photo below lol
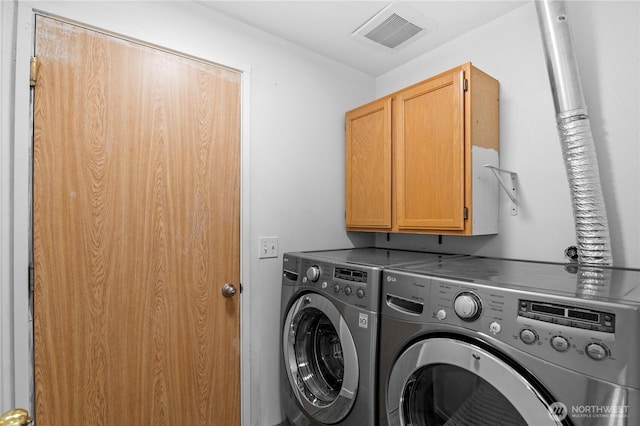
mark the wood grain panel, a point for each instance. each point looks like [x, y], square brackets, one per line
[368, 166]
[136, 228]
[483, 109]
[429, 152]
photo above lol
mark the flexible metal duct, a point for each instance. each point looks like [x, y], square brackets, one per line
[574, 128]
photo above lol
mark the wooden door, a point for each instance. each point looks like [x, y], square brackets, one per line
[429, 153]
[136, 228]
[368, 166]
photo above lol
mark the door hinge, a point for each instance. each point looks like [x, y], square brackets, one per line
[465, 213]
[31, 278]
[465, 85]
[33, 71]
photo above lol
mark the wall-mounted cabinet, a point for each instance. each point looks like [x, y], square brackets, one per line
[414, 158]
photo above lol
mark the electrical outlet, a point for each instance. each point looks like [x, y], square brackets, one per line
[268, 247]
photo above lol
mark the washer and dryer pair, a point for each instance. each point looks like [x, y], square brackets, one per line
[330, 308]
[501, 342]
[462, 340]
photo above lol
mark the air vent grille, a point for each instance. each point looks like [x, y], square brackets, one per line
[393, 31]
[395, 26]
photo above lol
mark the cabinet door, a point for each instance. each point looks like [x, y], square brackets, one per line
[368, 166]
[429, 152]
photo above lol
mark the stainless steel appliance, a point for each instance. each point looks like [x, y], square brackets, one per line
[509, 342]
[329, 320]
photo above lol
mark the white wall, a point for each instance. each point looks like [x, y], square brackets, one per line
[607, 41]
[292, 159]
[7, 43]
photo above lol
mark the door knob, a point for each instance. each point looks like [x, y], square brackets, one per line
[229, 290]
[17, 417]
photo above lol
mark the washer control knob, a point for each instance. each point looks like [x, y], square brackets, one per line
[559, 343]
[528, 336]
[313, 273]
[596, 351]
[336, 288]
[441, 314]
[348, 291]
[467, 306]
[360, 293]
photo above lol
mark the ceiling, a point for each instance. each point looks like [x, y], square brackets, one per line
[325, 27]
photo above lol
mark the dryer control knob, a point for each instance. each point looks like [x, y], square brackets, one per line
[467, 306]
[528, 336]
[559, 343]
[313, 273]
[596, 351]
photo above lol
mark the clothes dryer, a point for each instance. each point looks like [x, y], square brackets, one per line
[329, 321]
[503, 342]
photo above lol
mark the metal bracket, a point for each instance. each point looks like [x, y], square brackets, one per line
[510, 189]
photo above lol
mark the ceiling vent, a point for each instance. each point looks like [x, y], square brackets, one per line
[393, 26]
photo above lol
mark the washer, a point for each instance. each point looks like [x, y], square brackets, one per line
[329, 321]
[509, 342]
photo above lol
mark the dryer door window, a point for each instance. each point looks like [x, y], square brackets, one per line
[441, 394]
[321, 359]
[444, 381]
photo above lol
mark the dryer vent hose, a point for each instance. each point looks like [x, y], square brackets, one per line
[574, 129]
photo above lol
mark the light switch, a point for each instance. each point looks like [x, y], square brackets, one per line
[268, 247]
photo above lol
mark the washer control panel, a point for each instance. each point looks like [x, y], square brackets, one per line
[354, 284]
[577, 333]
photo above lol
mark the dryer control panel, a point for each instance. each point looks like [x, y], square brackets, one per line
[579, 334]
